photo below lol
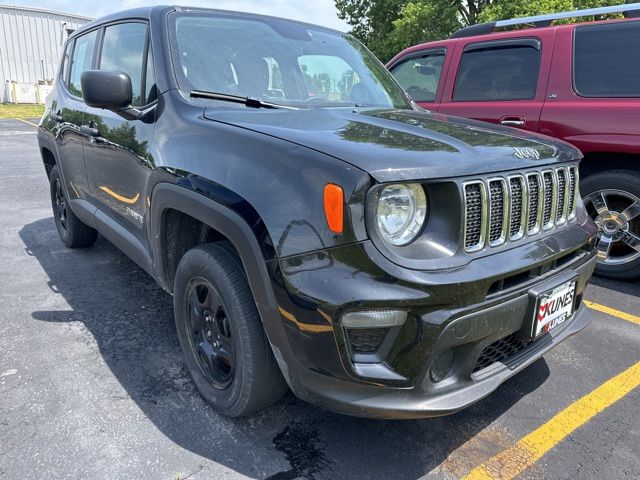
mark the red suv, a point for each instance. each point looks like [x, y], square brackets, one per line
[579, 83]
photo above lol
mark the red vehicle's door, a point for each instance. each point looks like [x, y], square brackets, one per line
[500, 81]
[593, 94]
[422, 72]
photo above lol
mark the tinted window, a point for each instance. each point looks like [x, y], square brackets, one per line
[498, 73]
[420, 76]
[607, 60]
[151, 92]
[123, 51]
[81, 60]
[66, 61]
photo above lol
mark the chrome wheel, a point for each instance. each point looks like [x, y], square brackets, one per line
[617, 215]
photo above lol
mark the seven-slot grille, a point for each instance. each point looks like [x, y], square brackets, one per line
[508, 208]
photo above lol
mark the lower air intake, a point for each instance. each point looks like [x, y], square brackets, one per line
[503, 348]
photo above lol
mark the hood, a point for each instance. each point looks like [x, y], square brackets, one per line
[394, 145]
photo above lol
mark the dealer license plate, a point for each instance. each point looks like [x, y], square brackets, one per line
[554, 307]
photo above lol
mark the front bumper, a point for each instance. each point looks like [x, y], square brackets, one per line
[446, 313]
[415, 402]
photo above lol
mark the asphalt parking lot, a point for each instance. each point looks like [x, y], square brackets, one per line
[92, 383]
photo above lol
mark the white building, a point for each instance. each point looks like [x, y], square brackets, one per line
[31, 41]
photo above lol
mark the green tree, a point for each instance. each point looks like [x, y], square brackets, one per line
[470, 10]
[371, 22]
[388, 26]
[523, 8]
[422, 21]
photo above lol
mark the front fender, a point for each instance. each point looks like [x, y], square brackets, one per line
[239, 233]
[282, 181]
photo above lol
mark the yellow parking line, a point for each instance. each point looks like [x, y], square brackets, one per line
[26, 121]
[613, 311]
[517, 458]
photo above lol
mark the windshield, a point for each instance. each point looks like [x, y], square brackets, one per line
[279, 61]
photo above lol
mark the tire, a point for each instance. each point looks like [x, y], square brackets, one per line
[618, 220]
[73, 233]
[223, 343]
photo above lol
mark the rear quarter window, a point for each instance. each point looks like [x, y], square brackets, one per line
[66, 62]
[497, 73]
[606, 60]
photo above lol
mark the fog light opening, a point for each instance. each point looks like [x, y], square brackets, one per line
[370, 334]
[366, 340]
[441, 365]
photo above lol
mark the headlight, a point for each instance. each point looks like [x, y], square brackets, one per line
[401, 211]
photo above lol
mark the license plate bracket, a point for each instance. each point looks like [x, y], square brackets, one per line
[550, 306]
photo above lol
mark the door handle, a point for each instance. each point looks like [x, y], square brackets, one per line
[89, 131]
[513, 122]
[56, 117]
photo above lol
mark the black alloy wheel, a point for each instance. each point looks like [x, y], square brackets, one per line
[72, 232]
[60, 204]
[210, 333]
[223, 342]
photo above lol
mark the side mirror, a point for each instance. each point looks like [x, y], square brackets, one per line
[109, 90]
[424, 70]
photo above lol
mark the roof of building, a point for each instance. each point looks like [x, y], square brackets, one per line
[44, 10]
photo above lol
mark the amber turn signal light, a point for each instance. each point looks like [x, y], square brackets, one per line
[333, 207]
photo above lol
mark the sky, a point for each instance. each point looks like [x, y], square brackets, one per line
[319, 12]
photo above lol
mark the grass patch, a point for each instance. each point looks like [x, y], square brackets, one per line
[21, 110]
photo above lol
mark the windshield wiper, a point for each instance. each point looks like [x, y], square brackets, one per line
[248, 101]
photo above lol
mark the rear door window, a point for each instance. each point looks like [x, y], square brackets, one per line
[419, 76]
[81, 60]
[606, 60]
[498, 71]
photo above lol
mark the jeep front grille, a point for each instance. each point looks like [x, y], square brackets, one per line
[475, 216]
[573, 191]
[550, 190]
[534, 182]
[499, 209]
[518, 207]
[562, 194]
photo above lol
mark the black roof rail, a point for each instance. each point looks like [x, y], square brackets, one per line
[630, 10]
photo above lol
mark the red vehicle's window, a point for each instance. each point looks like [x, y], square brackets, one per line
[496, 73]
[607, 60]
[420, 76]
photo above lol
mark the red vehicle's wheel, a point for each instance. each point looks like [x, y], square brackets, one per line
[613, 201]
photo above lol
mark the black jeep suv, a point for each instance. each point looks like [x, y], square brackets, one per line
[316, 228]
